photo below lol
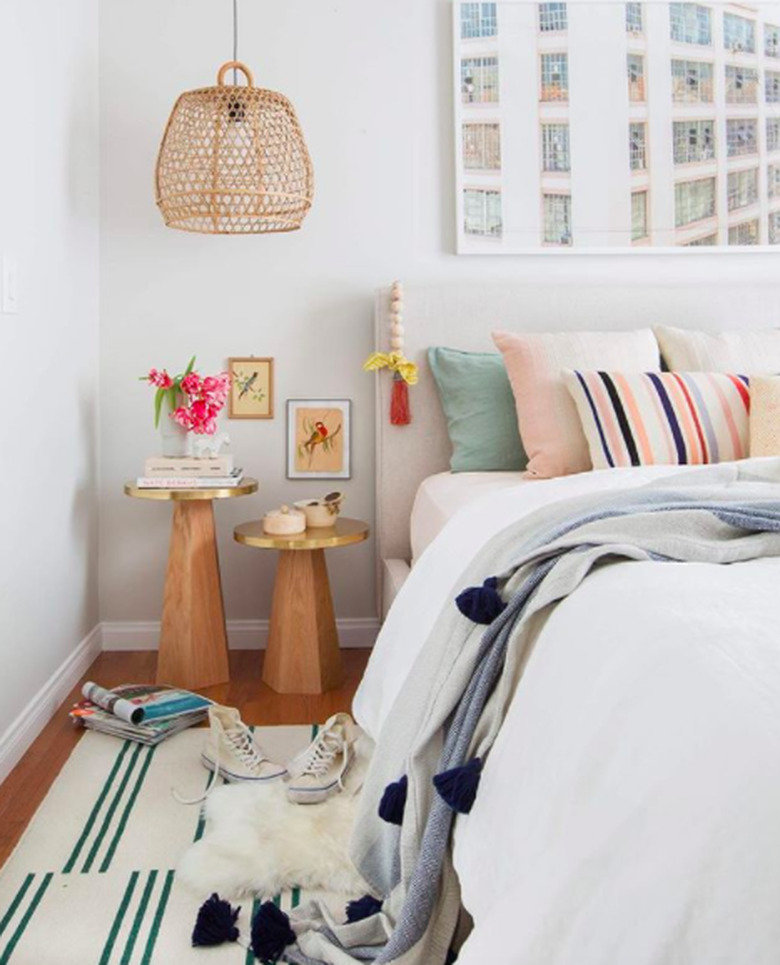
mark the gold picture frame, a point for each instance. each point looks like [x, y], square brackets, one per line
[251, 387]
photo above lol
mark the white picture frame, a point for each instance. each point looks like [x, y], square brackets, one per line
[319, 438]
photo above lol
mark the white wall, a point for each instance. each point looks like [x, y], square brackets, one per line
[49, 350]
[372, 85]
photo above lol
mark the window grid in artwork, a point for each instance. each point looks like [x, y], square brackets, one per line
[771, 40]
[773, 180]
[636, 77]
[478, 20]
[744, 234]
[773, 134]
[772, 86]
[739, 34]
[742, 137]
[742, 188]
[694, 141]
[479, 80]
[708, 241]
[557, 219]
[482, 212]
[634, 18]
[637, 146]
[638, 215]
[555, 147]
[481, 147]
[741, 85]
[774, 227]
[552, 17]
[694, 201]
[691, 82]
[555, 77]
[690, 23]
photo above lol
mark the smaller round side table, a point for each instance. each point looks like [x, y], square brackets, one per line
[193, 639]
[303, 655]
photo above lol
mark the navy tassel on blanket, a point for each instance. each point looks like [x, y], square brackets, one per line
[271, 933]
[362, 908]
[458, 787]
[391, 807]
[481, 604]
[215, 924]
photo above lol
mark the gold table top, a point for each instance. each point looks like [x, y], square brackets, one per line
[245, 488]
[345, 531]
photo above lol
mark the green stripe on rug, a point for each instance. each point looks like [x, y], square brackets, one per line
[96, 810]
[128, 809]
[87, 866]
[132, 938]
[158, 917]
[16, 902]
[119, 918]
[20, 929]
[296, 897]
[250, 955]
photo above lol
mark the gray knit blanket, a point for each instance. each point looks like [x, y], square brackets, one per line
[455, 699]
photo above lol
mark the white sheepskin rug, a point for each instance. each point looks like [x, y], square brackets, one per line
[257, 842]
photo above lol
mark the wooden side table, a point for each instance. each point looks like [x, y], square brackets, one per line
[193, 638]
[303, 655]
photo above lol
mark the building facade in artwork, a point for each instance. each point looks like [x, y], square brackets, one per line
[613, 124]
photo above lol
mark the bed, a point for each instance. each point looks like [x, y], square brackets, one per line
[628, 811]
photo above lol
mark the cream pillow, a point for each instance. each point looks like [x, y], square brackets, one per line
[546, 414]
[765, 416]
[748, 353]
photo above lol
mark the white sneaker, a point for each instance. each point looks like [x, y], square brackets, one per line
[319, 771]
[231, 752]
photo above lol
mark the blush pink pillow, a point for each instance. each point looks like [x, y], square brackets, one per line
[546, 414]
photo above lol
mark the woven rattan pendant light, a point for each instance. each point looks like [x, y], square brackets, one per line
[233, 159]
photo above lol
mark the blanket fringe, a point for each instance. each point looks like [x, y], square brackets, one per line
[215, 924]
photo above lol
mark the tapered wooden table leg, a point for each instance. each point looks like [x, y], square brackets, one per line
[303, 655]
[193, 638]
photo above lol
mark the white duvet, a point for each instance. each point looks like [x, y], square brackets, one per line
[629, 811]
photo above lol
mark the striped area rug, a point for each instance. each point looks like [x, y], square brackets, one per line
[92, 881]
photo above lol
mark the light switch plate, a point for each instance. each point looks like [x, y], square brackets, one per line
[10, 299]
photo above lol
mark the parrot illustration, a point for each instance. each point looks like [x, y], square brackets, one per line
[318, 436]
[246, 384]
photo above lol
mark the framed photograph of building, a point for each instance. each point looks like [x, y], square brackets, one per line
[613, 126]
[318, 439]
[251, 388]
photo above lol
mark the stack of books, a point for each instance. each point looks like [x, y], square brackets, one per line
[145, 713]
[186, 472]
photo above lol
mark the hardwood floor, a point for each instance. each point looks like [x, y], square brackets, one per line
[26, 786]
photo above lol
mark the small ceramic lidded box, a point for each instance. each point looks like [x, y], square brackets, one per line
[321, 513]
[284, 522]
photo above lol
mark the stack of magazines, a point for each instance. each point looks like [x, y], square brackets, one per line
[146, 713]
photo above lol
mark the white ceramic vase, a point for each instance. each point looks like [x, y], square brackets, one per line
[175, 440]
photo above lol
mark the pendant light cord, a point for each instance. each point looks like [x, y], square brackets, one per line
[235, 40]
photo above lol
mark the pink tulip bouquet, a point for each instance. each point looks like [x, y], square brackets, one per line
[194, 401]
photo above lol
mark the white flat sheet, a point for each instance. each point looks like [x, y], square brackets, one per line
[442, 495]
[629, 811]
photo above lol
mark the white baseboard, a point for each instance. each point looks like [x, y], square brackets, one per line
[242, 634]
[40, 710]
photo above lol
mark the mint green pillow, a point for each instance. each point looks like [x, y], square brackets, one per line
[480, 410]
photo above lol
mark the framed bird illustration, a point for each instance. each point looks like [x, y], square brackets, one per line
[251, 388]
[318, 438]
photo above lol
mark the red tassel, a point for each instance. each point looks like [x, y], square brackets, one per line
[399, 403]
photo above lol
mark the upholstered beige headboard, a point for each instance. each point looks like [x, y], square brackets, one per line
[462, 316]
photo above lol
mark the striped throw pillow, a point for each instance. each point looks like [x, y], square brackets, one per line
[662, 418]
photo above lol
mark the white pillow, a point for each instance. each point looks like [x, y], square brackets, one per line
[746, 353]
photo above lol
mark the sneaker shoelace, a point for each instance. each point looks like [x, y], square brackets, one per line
[320, 756]
[240, 737]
